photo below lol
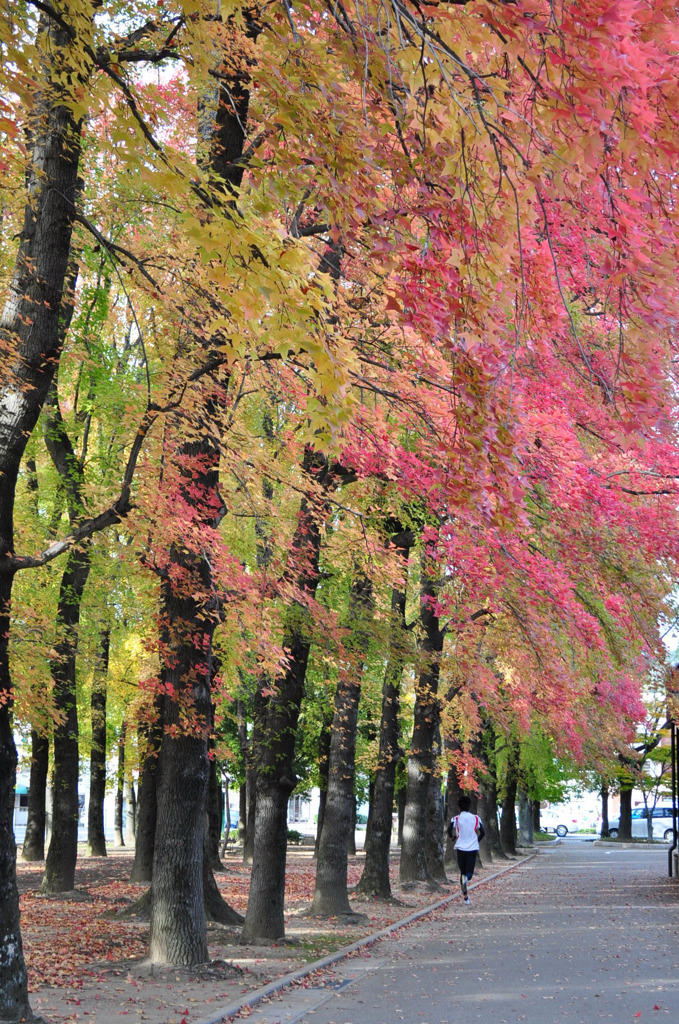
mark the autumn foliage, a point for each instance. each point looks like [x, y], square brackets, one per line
[331, 275]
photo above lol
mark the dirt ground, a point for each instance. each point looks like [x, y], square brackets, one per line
[85, 964]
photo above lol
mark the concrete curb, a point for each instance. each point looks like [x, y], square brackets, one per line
[327, 961]
[540, 843]
[641, 844]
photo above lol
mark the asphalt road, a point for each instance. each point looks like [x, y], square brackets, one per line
[578, 934]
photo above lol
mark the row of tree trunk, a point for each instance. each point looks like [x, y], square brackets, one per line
[424, 815]
[173, 846]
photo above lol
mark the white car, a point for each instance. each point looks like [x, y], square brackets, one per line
[662, 824]
[554, 820]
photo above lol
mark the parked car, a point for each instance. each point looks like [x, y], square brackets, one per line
[560, 829]
[662, 823]
[552, 820]
[565, 819]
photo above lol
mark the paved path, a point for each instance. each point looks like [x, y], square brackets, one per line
[580, 933]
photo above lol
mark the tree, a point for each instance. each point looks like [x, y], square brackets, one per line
[500, 206]
[34, 839]
[119, 839]
[644, 764]
[189, 615]
[147, 806]
[277, 705]
[421, 769]
[435, 825]
[62, 853]
[375, 879]
[508, 831]
[330, 893]
[31, 335]
[96, 841]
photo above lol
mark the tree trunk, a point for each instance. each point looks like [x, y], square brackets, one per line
[181, 874]
[246, 824]
[508, 822]
[118, 839]
[375, 879]
[275, 749]
[242, 810]
[625, 824]
[371, 798]
[322, 797]
[488, 798]
[330, 893]
[130, 810]
[435, 836]
[228, 823]
[264, 914]
[323, 771]
[401, 813]
[275, 721]
[216, 907]
[215, 816]
[63, 848]
[525, 819]
[535, 812]
[420, 766]
[178, 928]
[249, 838]
[96, 840]
[147, 802]
[604, 809]
[14, 1005]
[508, 816]
[485, 812]
[189, 606]
[491, 824]
[351, 845]
[31, 338]
[34, 841]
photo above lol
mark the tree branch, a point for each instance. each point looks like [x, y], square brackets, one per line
[55, 16]
[313, 229]
[132, 104]
[102, 62]
[123, 504]
[113, 247]
[133, 54]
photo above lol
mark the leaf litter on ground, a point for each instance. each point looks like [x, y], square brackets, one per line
[75, 938]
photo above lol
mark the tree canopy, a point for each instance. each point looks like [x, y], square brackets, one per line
[283, 283]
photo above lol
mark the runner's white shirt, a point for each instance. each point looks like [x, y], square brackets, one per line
[465, 825]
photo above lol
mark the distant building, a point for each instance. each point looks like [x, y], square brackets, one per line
[302, 810]
[21, 810]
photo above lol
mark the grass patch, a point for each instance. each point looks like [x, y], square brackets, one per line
[323, 945]
[635, 839]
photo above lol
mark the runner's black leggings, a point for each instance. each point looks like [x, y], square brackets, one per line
[466, 861]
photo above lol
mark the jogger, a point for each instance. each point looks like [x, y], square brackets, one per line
[465, 829]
